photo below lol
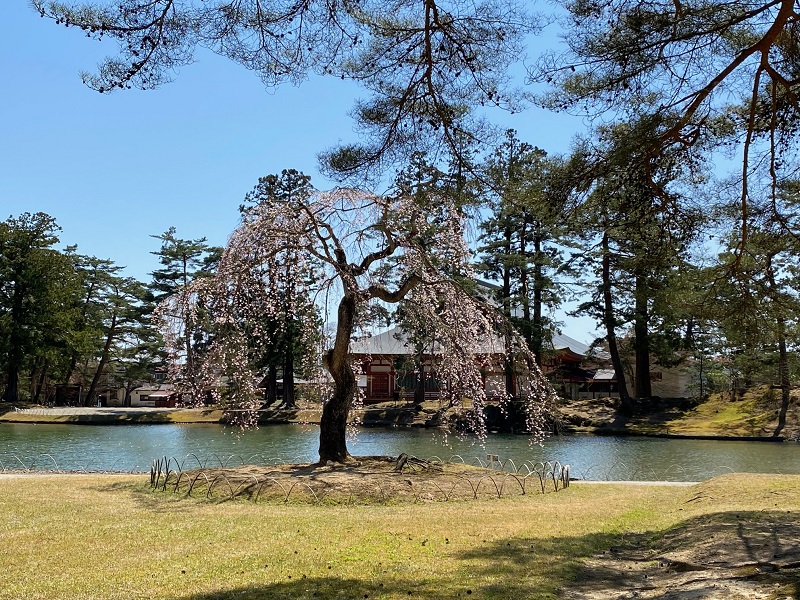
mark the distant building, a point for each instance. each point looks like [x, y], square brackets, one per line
[388, 366]
[155, 395]
[665, 382]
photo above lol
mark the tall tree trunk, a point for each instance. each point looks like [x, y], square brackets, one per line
[42, 379]
[610, 323]
[641, 339]
[289, 400]
[509, 367]
[333, 424]
[73, 361]
[525, 292]
[537, 330]
[272, 385]
[15, 352]
[783, 372]
[783, 357]
[508, 363]
[101, 365]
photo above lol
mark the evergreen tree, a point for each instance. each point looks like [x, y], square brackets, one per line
[38, 289]
[637, 236]
[183, 261]
[523, 238]
[755, 287]
[712, 75]
[290, 337]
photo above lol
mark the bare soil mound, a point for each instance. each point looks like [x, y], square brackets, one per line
[365, 479]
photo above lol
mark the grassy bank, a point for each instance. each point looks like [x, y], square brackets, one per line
[110, 537]
[754, 413]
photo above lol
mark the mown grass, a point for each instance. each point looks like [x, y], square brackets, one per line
[110, 537]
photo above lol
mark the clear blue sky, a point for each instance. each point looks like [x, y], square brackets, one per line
[114, 169]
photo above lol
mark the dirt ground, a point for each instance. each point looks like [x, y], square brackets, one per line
[725, 556]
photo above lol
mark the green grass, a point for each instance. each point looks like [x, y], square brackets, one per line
[109, 537]
[754, 414]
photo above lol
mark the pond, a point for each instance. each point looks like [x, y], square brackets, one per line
[134, 447]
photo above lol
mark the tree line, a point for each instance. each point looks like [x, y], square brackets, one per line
[74, 326]
[672, 258]
[664, 280]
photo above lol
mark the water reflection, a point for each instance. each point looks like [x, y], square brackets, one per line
[134, 447]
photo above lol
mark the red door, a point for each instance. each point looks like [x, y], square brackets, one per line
[380, 385]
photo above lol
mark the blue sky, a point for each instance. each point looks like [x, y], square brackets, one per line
[114, 169]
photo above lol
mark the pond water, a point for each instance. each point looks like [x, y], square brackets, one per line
[134, 447]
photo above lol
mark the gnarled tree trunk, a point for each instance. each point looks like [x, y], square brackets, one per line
[333, 424]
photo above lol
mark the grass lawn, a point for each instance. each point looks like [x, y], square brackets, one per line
[104, 537]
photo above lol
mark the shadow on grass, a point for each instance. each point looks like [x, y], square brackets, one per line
[747, 551]
[535, 568]
[329, 587]
[145, 497]
[702, 555]
[501, 569]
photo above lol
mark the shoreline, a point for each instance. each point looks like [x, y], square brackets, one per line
[394, 417]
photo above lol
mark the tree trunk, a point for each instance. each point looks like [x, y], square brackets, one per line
[333, 424]
[112, 330]
[611, 334]
[508, 364]
[11, 393]
[783, 372]
[15, 342]
[536, 340]
[42, 379]
[289, 400]
[783, 357]
[73, 361]
[641, 340]
[272, 385]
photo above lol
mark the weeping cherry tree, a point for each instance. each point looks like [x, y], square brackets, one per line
[349, 240]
